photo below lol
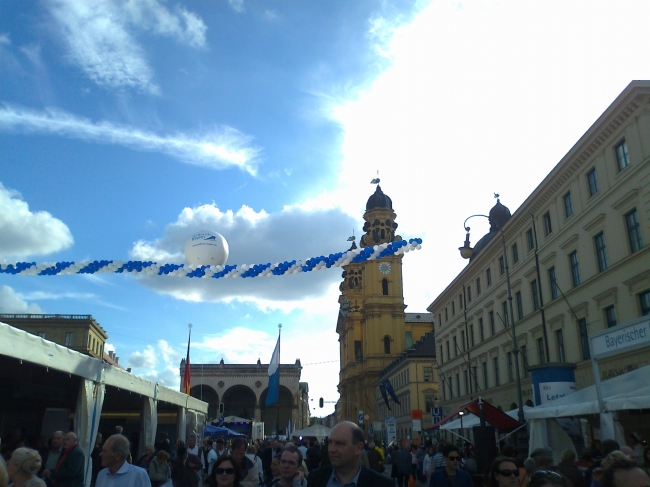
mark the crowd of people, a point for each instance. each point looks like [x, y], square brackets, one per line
[344, 459]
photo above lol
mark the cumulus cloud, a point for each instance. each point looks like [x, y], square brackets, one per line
[220, 148]
[254, 237]
[11, 302]
[101, 41]
[159, 364]
[23, 232]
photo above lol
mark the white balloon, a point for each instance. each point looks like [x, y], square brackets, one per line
[206, 248]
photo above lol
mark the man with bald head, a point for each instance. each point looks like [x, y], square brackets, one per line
[69, 469]
[345, 446]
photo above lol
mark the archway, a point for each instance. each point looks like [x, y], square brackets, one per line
[209, 395]
[270, 414]
[513, 406]
[529, 403]
[239, 401]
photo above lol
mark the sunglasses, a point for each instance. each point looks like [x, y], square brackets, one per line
[509, 473]
[454, 458]
[227, 471]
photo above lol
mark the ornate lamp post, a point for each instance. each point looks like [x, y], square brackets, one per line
[467, 252]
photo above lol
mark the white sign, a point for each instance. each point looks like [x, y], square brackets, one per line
[417, 425]
[551, 391]
[619, 339]
[391, 429]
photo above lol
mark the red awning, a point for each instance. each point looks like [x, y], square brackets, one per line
[493, 416]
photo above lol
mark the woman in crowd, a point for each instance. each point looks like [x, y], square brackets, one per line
[159, 469]
[225, 472]
[145, 460]
[23, 467]
[503, 473]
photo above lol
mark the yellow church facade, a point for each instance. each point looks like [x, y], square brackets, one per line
[372, 323]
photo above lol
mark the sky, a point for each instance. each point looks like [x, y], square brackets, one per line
[128, 125]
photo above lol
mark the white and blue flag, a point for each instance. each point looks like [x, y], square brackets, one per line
[274, 376]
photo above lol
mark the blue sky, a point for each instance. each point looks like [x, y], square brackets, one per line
[126, 126]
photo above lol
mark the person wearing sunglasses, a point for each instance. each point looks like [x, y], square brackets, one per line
[451, 474]
[503, 473]
[225, 473]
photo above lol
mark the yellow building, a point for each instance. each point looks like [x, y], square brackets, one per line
[372, 325]
[591, 218]
[414, 379]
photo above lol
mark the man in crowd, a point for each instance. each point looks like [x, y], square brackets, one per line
[313, 456]
[622, 471]
[291, 475]
[185, 469]
[375, 461]
[345, 446]
[117, 471]
[69, 470]
[250, 473]
[53, 454]
[451, 474]
[192, 447]
[267, 458]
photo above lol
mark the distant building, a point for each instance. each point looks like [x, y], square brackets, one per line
[78, 332]
[591, 216]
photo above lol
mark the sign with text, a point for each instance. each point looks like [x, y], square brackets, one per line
[620, 339]
[391, 429]
[417, 425]
[551, 391]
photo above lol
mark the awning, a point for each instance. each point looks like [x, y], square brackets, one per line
[493, 416]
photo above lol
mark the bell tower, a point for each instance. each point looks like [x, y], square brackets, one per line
[371, 321]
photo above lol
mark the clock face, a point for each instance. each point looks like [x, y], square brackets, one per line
[384, 268]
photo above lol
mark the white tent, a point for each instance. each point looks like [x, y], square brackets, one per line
[471, 420]
[317, 430]
[626, 391]
[236, 419]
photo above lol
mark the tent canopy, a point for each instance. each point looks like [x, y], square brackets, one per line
[219, 431]
[470, 420]
[493, 416]
[626, 391]
[318, 430]
[236, 419]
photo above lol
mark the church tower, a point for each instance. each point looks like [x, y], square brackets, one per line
[371, 322]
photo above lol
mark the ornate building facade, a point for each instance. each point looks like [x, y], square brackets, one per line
[372, 324]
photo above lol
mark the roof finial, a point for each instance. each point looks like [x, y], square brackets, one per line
[496, 195]
[352, 238]
[375, 180]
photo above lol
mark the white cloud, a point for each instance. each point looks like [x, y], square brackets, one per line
[100, 37]
[11, 302]
[159, 364]
[23, 232]
[42, 295]
[254, 237]
[237, 5]
[145, 359]
[220, 148]
[5, 40]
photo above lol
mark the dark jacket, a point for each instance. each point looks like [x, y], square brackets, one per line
[374, 460]
[184, 476]
[573, 473]
[439, 478]
[70, 472]
[403, 462]
[367, 478]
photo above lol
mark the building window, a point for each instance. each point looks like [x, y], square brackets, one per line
[559, 338]
[575, 269]
[455, 347]
[462, 338]
[469, 294]
[584, 339]
[592, 182]
[644, 301]
[511, 374]
[444, 390]
[485, 376]
[633, 230]
[530, 241]
[495, 360]
[548, 229]
[429, 403]
[358, 352]
[488, 276]
[478, 286]
[458, 385]
[453, 308]
[409, 339]
[610, 316]
[481, 331]
[515, 254]
[524, 360]
[460, 301]
[428, 374]
[568, 205]
[534, 294]
[387, 345]
[601, 252]
[553, 282]
[504, 308]
[471, 335]
[502, 267]
[446, 315]
[384, 287]
[491, 316]
[520, 305]
[466, 373]
[69, 338]
[448, 354]
[621, 155]
[442, 357]
[475, 378]
[540, 351]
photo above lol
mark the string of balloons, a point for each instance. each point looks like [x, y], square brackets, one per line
[212, 271]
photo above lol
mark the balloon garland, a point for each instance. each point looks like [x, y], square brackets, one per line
[149, 268]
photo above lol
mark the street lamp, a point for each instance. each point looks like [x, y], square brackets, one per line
[467, 252]
[461, 414]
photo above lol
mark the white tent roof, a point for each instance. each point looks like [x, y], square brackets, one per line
[626, 391]
[21, 345]
[471, 420]
[236, 419]
[317, 430]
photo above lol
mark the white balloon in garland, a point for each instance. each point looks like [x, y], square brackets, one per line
[206, 248]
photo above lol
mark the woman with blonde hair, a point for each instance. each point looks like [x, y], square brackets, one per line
[22, 468]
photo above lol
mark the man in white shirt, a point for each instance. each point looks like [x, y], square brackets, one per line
[118, 472]
[192, 447]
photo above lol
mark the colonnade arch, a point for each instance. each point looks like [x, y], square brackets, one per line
[209, 395]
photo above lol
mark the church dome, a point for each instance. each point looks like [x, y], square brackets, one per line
[379, 200]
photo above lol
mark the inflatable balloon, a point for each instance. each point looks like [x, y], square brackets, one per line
[206, 248]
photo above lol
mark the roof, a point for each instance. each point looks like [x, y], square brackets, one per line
[424, 317]
[425, 347]
[379, 200]
[492, 415]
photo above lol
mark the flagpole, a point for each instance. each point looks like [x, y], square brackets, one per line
[277, 428]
